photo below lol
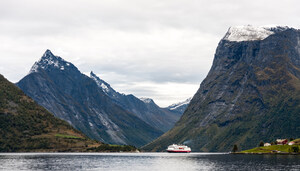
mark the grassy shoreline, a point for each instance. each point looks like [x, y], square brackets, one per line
[292, 149]
[274, 149]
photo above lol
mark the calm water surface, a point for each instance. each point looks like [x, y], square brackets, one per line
[146, 161]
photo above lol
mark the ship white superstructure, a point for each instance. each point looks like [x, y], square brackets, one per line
[174, 148]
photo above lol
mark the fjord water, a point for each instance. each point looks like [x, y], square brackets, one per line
[146, 161]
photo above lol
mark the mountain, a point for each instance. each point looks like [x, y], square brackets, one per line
[179, 107]
[144, 108]
[26, 126]
[251, 93]
[74, 97]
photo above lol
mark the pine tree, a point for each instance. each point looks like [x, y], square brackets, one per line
[235, 148]
[261, 144]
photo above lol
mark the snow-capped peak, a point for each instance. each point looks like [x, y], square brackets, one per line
[180, 104]
[49, 60]
[250, 33]
[146, 100]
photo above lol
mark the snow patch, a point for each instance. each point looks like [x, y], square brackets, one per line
[250, 33]
[104, 87]
[100, 83]
[146, 100]
[177, 105]
[34, 68]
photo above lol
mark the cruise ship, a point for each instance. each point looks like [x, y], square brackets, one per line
[174, 148]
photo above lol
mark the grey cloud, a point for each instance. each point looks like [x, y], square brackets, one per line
[132, 41]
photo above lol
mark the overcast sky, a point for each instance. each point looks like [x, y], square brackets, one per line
[161, 49]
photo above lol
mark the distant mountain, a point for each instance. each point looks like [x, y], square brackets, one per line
[26, 126]
[179, 107]
[251, 93]
[144, 108]
[74, 97]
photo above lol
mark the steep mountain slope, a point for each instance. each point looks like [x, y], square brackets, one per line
[251, 93]
[146, 110]
[70, 95]
[26, 126]
[179, 107]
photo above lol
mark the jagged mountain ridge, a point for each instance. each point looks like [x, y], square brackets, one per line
[251, 94]
[25, 126]
[145, 108]
[70, 95]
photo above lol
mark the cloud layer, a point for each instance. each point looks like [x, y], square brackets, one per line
[160, 49]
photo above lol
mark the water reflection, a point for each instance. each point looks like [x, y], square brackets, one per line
[146, 161]
[177, 162]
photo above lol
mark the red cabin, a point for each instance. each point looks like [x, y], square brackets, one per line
[281, 141]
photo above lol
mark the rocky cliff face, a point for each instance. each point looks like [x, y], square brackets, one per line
[74, 97]
[251, 93]
[145, 109]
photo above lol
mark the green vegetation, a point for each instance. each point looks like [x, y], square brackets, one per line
[67, 136]
[297, 141]
[294, 149]
[274, 149]
[114, 148]
[26, 126]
